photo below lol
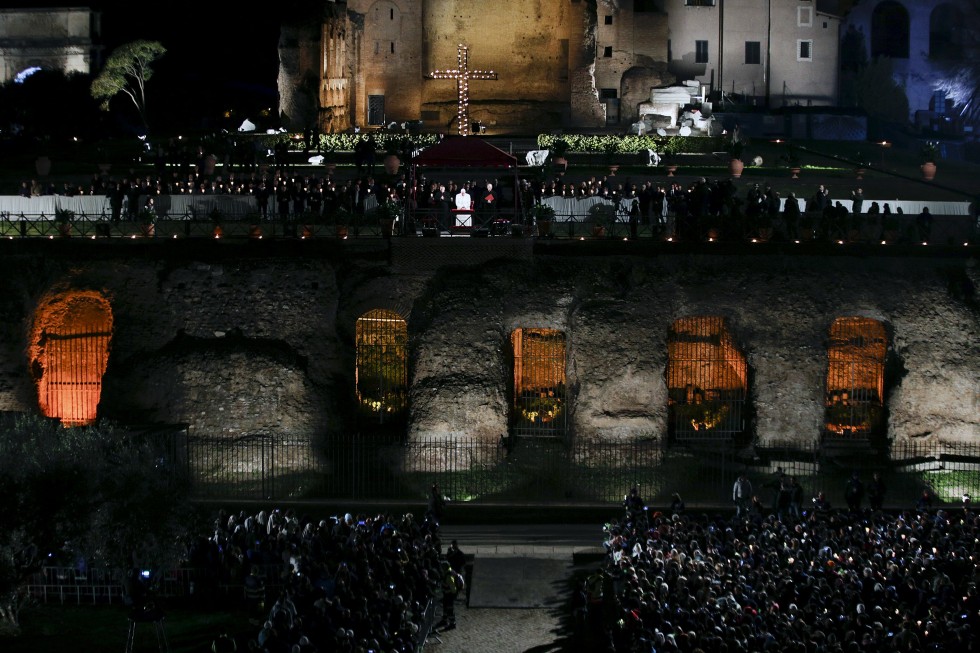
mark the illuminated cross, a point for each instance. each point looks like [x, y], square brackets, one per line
[462, 74]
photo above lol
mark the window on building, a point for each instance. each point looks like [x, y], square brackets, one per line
[890, 30]
[700, 52]
[804, 16]
[804, 50]
[392, 47]
[381, 374]
[700, 3]
[608, 20]
[71, 347]
[753, 52]
[855, 377]
[644, 6]
[376, 110]
[539, 383]
[608, 93]
[707, 380]
[607, 51]
[948, 32]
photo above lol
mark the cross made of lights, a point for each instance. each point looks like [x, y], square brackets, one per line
[462, 74]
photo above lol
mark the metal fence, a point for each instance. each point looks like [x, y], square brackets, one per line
[532, 470]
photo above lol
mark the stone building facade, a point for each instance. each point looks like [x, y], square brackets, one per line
[559, 63]
[65, 39]
[769, 53]
[925, 41]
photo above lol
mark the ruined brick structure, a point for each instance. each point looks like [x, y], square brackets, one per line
[236, 341]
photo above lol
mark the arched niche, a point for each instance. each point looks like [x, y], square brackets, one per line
[855, 387]
[707, 380]
[540, 408]
[69, 352]
[947, 32]
[890, 31]
[381, 374]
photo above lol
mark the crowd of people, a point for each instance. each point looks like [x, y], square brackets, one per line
[824, 581]
[703, 208]
[345, 583]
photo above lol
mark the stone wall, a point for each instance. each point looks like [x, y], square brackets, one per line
[235, 344]
[65, 39]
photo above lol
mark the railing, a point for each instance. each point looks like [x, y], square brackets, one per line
[234, 227]
[529, 470]
[104, 585]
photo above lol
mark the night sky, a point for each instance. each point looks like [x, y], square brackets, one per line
[220, 54]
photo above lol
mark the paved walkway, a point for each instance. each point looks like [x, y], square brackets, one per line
[518, 590]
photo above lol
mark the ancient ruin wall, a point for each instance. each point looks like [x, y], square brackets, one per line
[242, 346]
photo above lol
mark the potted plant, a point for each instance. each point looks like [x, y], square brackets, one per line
[216, 219]
[735, 149]
[341, 218]
[610, 148]
[543, 216]
[387, 213]
[862, 165]
[147, 219]
[559, 148]
[792, 161]
[601, 216]
[929, 154]
[63, 219]
[670, 149]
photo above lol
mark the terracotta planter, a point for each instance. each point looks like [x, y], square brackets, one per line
[308, 231]
[341, 231]
[860, 172]
[598, 231]
[735, 168]
[255, 231]
[795, 172]
[613, 170]
[64, 229]
[148, 230]
[560, 162]
[218, 232]
[671, 169]
[928, 170]
[544, 228]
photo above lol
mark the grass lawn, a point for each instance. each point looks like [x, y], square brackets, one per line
[93, 629]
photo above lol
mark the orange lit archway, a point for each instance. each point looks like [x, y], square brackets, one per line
[381, 375]
[707, 380]
[69, 352]
[855, 376]
[539, 382]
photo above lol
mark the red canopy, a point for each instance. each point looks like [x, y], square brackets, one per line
[465, 152]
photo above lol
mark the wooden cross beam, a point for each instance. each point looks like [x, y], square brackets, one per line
[462, 74]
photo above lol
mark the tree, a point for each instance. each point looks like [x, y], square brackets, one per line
[127, 70]
[88, 493]
[960, 80]
[875, 90]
